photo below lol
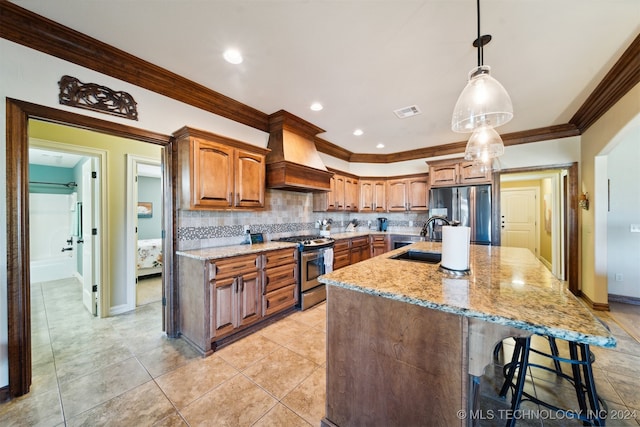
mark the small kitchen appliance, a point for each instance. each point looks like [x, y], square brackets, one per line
[382, 224]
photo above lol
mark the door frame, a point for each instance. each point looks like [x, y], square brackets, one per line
[571, 218]
[104, 292]
[18, 114]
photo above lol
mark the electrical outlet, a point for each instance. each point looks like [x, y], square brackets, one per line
[410, 223]
[619, 277]
[247, 228]
[635, 228]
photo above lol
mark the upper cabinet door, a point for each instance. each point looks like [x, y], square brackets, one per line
[366, 196]
[418, 194]
[444, 175]
[250, 176]
[472, 173]
[397, 195]
[379, 196]
[213, 169]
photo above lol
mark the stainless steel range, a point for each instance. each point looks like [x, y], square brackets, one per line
[316, 258]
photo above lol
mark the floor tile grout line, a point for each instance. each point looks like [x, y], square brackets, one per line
[53, 357]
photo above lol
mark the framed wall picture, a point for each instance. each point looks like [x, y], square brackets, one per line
[145, 209]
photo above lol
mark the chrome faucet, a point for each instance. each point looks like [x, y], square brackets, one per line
[425, 228]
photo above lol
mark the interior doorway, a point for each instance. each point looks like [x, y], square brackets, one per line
[144, 229]
[535, 212]
[19, 118]
[72, 215]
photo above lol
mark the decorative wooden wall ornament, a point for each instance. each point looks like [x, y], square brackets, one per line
[92, 96]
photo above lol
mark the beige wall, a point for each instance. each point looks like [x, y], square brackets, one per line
[593, 243]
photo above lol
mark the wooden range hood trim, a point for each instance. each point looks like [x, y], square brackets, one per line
[290, 176]
[29, 29]
[293, 163]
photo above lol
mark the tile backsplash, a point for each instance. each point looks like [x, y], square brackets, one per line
[286, 213]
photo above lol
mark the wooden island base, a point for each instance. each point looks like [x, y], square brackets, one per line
[393, 363]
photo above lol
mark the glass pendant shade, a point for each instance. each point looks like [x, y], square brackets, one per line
[483, 102]
[484, 144]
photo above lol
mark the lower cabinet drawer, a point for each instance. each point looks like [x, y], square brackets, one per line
[341, 259]
[278, 277]
[235, 266]
[279, 300]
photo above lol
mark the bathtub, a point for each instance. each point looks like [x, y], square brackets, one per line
[60, 267]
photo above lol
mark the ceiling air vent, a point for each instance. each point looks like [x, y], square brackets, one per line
[409, 111]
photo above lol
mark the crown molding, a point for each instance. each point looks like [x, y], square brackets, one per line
[514, 138]
[623, 76]
[37, 32]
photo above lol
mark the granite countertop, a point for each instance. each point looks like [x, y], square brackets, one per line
[208, 254]
[507, 286]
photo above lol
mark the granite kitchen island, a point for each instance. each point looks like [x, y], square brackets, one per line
[405, 340]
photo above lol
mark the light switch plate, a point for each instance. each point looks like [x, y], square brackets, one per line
[635, 228]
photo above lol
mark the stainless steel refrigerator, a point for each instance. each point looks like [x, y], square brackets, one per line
[471, 206]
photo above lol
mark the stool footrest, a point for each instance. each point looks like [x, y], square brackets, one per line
[592, 409]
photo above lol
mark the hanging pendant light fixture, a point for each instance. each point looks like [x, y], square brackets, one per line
[483, 105]
[483, 145]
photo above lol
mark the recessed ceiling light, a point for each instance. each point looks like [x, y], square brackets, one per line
[233, 56]
[358, 132]
[316, 106]
[381, 145]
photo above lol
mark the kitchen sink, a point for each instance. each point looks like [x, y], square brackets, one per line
[419, 256]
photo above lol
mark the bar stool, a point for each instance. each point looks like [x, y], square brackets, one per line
[593, 410]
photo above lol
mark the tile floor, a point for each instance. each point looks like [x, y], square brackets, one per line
[122, 371]
[148, 290]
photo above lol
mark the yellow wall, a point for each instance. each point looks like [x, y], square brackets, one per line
[593, 141]
[116, 175]
[545, 236]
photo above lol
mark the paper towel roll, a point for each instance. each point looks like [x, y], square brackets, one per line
[455, 247]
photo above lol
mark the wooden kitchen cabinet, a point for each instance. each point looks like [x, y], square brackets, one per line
[380, 243]
[236, 293]
[220, 299]
[217, 298]
[216, 172]
[475, 173]
[280, 280]
[341, 253]
[350, 194]
[459, 173]
[342, 195]
[445, 175]
[360, 249]
[408, 194]
[373, 195]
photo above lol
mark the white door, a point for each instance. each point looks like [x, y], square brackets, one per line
[518, 219]
[90, 237]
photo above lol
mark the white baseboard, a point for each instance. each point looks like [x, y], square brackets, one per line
[119, 309]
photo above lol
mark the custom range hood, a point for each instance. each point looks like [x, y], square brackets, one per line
[293, 162]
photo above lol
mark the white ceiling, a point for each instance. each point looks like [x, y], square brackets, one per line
[39, 156]
[364, 59]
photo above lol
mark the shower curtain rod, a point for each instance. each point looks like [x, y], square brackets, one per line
[68, 184]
